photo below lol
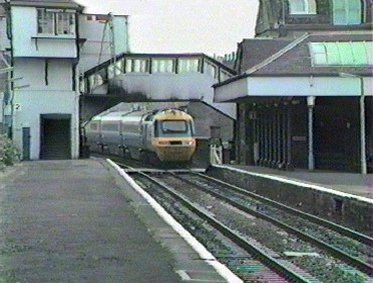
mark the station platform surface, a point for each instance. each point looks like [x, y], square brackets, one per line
[355, 184]
[73, 221]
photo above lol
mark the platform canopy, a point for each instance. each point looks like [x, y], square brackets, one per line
[314, 64]
[340, 85]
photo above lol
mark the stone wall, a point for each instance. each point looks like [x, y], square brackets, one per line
[349, 212]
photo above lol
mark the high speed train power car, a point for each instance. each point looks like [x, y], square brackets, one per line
[165, 134]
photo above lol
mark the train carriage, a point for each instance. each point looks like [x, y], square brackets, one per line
[164, 134]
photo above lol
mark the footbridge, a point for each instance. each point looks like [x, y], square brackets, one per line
[131, 77]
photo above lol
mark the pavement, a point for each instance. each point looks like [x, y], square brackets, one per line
[356, 184]
[72, 221]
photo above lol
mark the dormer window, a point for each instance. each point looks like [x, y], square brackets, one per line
[347, 12]
[302, 7]
[55, 22]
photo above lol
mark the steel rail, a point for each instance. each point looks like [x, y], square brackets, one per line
[239, 240]
[338, 228]
[356, 262]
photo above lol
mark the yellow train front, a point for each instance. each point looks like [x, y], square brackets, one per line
[173, 139]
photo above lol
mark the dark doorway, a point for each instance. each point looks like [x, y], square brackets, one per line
[55, 141]
[337, 134]
[26, 143]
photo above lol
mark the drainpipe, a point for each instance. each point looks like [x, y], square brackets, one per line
[311, 158]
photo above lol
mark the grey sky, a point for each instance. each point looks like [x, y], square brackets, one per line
[209, 26]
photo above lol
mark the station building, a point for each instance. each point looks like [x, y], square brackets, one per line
[45, 45]
[304, 89]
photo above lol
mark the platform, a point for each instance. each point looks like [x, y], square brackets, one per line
[78, 221]
[338, 197]
[349, 183]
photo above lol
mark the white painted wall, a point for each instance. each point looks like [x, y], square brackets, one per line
[55, 98]
[170, 86]
[304, 86]
[231, 91]
[294, 86]
[45, 103]
[32, 72]
[93, 32]
[24, 27]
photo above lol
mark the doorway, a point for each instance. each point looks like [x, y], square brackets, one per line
[26, 143]
[55, 140]
[337, 134]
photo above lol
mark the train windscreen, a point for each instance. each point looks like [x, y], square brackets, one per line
[173, 128]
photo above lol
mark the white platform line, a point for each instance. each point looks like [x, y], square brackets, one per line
[298, 183]
[193, 242]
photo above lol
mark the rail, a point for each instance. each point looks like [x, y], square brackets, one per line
[338, 228]
[266, 259]
[361, 265]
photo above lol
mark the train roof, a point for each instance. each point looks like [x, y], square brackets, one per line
[168, 113]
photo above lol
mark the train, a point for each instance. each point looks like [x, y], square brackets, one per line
[163, 135]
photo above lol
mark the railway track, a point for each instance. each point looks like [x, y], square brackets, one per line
[190, 190]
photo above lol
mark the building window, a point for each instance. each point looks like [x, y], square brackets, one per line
[358, 53]
[188, 65]
[211, 69]
[95, 80]
[347, 12]
[115, 69]
[224, 76]
[110, 127]
[137, 65]
[56, 22]
[162, 66]
[302, 7]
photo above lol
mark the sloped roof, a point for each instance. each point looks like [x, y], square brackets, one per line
[297, 59]
[255, 51]
[47, 3]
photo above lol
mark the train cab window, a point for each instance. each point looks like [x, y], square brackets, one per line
[173, 128]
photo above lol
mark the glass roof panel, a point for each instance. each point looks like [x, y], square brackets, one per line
[358, 53]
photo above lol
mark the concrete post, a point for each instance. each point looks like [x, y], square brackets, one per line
[311, 159]
[362, 129]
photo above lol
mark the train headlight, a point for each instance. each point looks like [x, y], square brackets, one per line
[191, 142]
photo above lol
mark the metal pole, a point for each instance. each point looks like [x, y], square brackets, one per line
[261, 139]
[288, 136]
[279, 139]
[311, 160]
[284, 141]
[265, 137]
[362, 129]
